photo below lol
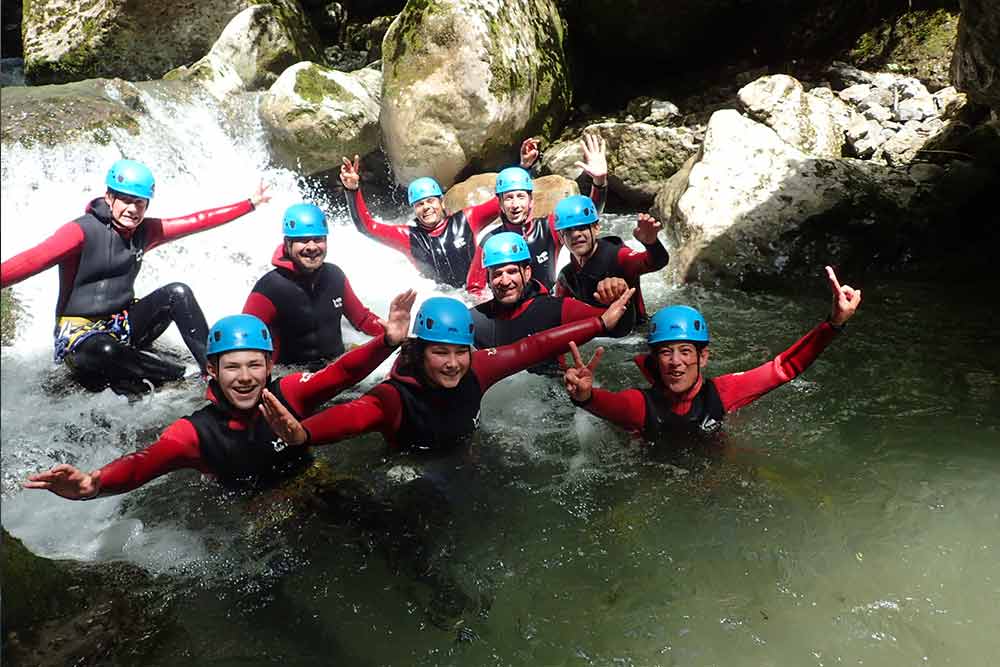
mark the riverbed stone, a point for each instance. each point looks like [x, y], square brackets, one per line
[315, 115]
[466, 81]
[808, 122]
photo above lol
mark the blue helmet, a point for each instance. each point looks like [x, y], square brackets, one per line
[131, 178]
[422, 188]
[239, 332]
[678, 323]
[513, 178]
[444, 320]
[575, 211]
[304, 220]
[505, 248]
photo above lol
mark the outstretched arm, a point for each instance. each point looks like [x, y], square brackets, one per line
[358, 315]
[396, 237]
[65, 243]
[163, 230]
[336, 423]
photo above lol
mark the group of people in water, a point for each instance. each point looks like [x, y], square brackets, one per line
[256, 428]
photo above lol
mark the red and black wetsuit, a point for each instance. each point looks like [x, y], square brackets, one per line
[303, 310]
[239, 446]
[543, 244]
[442, 254]
[613, 259]
[537, 310]
[415, 417]
[655, 414]
[98, 264]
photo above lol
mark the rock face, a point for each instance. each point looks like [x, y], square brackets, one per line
[465, 81]
[640, 157]
[917, 44]
[67, 41]
[479, 188]
[751, 206]
[254, 48]
[975, 67]
[316, 115]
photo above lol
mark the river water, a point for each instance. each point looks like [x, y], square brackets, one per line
[850, 517]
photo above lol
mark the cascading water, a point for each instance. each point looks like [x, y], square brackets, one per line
[852, 519]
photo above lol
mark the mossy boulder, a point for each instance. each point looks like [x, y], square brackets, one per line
[316, 115]
[135, 40]
[975, 67]
[465, 81]
[55, 114]
[253, 49]
[481, 187]
[10, 311]
[917, 44]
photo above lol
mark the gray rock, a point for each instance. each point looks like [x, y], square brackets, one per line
[975, 65]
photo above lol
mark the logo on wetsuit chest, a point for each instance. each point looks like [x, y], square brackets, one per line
[544, 257]
[338, 302]
[459, 242]
[278, 444]
[138, 255]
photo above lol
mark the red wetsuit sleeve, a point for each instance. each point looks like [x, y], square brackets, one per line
[634, 263]
[494, 364]
[482, 215]
[66, 242]
[260, 306]
[307, 391]
[177, 448]
[396, 237]
[360, 317]
[362, 415]
[160, 231]
[556, 239]
[573, 310]
[625, 408]
[739, 389]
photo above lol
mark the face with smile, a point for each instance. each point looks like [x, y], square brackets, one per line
[507, 282]
[516, 206]
[429, 211]
[445, 364]
[581, 240]
[127, 212]
[307, 254]
[242, 376]
[680, 365]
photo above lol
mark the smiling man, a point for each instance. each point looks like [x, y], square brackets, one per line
[303, 299]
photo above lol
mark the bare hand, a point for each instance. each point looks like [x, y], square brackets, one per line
[846, 299]
[615, 311]
[529, 152]
[579, 378]
[282, 422]
[350, 173]
[66, 481]
[646, 229]
[397, 325]
[595, 158]
[610, 289]
[260, 195]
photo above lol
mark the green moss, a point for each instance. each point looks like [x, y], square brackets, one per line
[312, 86]
[920, 43]
[10, 312]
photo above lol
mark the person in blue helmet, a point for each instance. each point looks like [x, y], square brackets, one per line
[430, 403]
[521, 306]
[303, 299]
[439, 244]
[599, 268]
[515, 191]
[229, 438]
[101, 330]
[680, 399]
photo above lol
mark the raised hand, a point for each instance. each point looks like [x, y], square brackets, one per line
[615, 311]
[350, 173]
[610, 289]
[529, 152]
[846, 299]
[579, 378]
[260, 195]
[66, 481]
[282, 422]
[595, 158]
[397, 324]
[646, 229]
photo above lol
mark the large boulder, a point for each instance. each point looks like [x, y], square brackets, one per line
[751, 207]
[481, 187]
[466, 80]
[975, 67]
[254, 48]
[316, 115]
[641, 157]
[70, 40]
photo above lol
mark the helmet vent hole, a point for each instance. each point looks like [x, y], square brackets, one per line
[430, 323]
